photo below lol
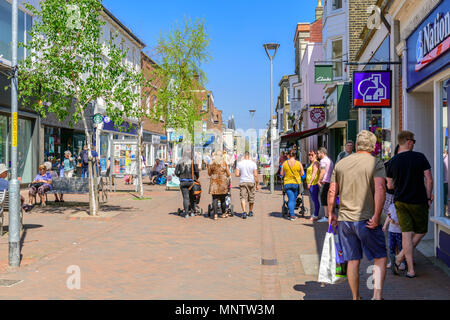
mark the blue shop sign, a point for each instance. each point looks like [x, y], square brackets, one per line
[429, 46]
[125, 128]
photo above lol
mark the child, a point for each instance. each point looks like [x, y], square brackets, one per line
[395, 236]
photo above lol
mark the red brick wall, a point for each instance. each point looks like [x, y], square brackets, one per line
[316, 31]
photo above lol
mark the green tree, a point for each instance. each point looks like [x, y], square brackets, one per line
[68, 68]
[181, 53]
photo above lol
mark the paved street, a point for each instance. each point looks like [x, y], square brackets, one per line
[148, 252]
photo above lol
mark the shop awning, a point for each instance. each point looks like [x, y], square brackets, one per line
[303, 134]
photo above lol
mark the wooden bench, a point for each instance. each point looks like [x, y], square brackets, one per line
[4, 206]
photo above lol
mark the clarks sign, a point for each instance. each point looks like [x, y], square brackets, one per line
[433, 40]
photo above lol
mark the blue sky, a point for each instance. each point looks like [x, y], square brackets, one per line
[239, 71]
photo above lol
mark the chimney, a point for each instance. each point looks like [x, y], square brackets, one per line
[319, 10]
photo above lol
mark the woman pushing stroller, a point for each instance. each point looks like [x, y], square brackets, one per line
[187, 171]
[292, 171]
[220, 183]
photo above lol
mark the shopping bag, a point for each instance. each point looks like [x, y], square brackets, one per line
[330, 271]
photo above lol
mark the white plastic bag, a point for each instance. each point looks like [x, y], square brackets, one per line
[328, 265]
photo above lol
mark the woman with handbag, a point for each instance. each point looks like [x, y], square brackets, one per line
[40, 185]
[188, 173]
[292, 171]
[219, 183]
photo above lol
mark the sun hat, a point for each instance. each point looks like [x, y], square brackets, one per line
[3, 168]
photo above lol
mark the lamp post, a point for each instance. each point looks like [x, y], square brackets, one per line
[271, 47]
[252, 117]
[14, 185]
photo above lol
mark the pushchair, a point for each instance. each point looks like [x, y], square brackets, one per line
[229, 207]
[197, 210]
[300, 204]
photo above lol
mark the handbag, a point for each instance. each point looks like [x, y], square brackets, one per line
[37, 185]
[333, 268]
[196, 185]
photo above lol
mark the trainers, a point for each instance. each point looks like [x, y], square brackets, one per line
[250, 214]
[244, 216]
[402, 266]
[293, 218]
[388, 265]
[192, 214]
[323, 219]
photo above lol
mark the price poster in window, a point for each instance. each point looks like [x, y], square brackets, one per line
[125, 157]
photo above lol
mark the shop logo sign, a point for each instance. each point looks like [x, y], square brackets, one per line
[372, 89]
[433, 40]
[317, 115]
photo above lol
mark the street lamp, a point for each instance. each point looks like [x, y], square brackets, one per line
[14, 185]
[271, 51]
[252, 116]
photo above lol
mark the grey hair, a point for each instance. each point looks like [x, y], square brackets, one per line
[366, 141]
[323, 150]
[68, 153]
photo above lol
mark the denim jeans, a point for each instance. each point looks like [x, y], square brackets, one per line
[314, 192]
[84, 172]
[292, 191]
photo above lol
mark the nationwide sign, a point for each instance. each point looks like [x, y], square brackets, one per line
[372, 89]
[323, 73]
[433, 40]
[427, 47]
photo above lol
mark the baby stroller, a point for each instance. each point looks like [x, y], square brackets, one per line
[197, 196]
[229, 206]
[299, 205]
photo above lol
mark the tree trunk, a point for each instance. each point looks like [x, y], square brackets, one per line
[93, 195]
[139, 166]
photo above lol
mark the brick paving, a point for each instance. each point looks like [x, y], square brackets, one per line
[146, 251]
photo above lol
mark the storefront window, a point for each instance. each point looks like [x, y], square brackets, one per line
[445, 89]
[24, 147]
[52, 143]
[378, 121]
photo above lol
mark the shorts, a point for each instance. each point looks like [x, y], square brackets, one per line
[248, 191]
[355, 238]
[412, 217]
[324, 194]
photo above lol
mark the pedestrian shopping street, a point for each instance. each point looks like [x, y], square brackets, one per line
[141, 249]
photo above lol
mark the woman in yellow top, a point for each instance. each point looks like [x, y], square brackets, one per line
[292, 171]
[312, 179]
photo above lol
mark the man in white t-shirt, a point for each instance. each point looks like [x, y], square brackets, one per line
[247, 171]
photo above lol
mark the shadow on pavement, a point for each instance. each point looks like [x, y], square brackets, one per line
[314, 291]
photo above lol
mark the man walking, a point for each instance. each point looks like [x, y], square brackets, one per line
[360, 210]
[248, 173]
[348, 151]
[412, 197]
[326, 169]
[84, 158]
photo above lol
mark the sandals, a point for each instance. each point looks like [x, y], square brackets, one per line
[410, 276]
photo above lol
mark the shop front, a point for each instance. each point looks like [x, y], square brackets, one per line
[27, 138]
[340, 127]
[427, 71]
[155, 147]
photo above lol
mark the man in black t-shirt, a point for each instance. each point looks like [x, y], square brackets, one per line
[406, 174]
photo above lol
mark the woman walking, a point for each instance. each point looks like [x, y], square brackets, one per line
[68, 164]
[292, 171]
[219, 183]
[312, 179]
[187, 171]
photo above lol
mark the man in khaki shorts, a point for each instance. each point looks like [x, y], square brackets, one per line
[247, 171]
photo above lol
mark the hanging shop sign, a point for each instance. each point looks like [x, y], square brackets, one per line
[98, 118]
[323, 73]
[317, 114]
[428, 46]
[372, 89]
